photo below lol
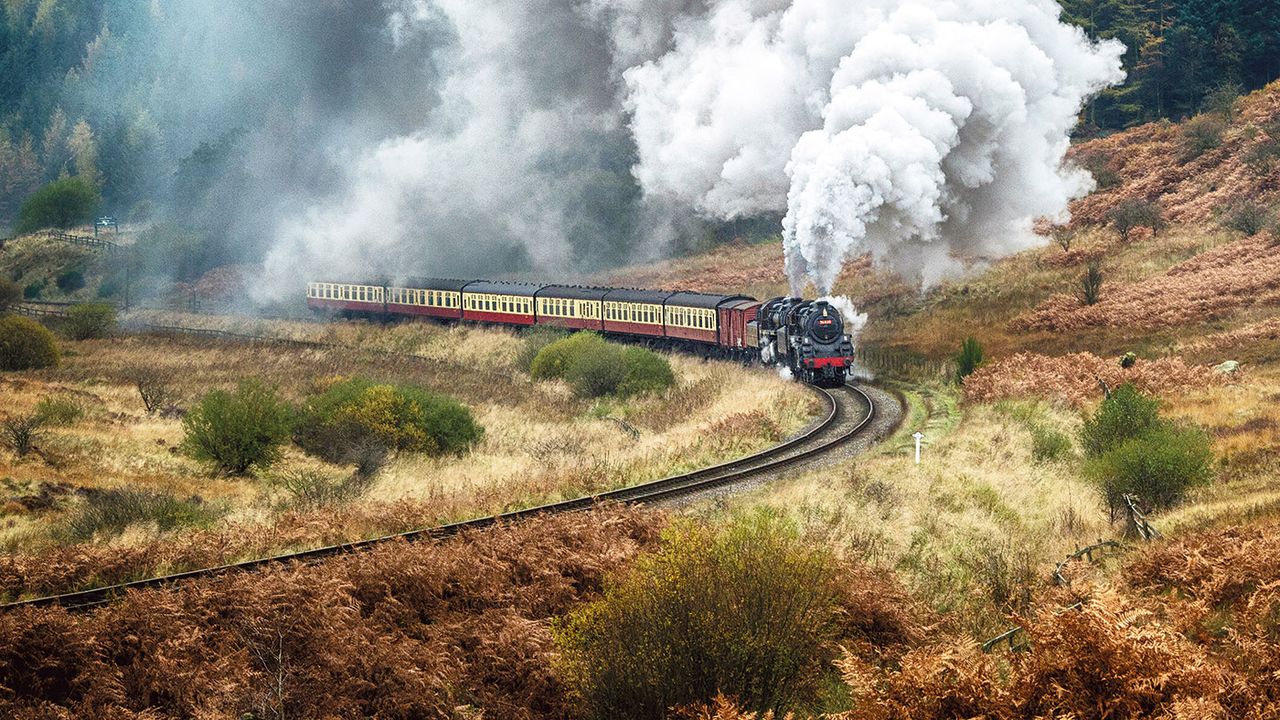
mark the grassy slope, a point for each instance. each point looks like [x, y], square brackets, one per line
[541, 442]
[982, 519]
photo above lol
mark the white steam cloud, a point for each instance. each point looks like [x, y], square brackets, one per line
[928, 134]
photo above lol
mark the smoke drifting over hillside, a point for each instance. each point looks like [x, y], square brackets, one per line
[454, 137]
[927, 134]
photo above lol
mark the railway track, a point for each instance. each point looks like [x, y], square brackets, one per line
[848, 411]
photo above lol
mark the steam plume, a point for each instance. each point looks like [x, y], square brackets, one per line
[928, 134]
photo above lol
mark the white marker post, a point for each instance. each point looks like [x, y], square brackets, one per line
[918, 436]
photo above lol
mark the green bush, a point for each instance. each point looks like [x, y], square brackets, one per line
[107, 513]
[349, 418]
[1124, 415]
[555, 358]
[647, 372]
[10, 294]
[70, 281]
[1248, 217]
[26, 344]
[1132, 214]
[596, 368]
[33, 291]
[536, 338]
[1202, 134]
[968, 359]
[748, 610]
[1049, 444]
[599, 371]
[61, 204]
[1158, 466]
[238, 430]
[59, 410]
[87, 321]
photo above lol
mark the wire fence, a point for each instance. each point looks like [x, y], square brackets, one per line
[1015, 637]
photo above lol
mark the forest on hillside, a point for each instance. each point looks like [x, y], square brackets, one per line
[101, 90]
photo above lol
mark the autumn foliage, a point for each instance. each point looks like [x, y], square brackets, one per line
[1075, 378]
[1209, 286]
[405, 631]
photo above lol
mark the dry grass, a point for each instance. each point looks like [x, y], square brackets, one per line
[973, 528]
[541, 442]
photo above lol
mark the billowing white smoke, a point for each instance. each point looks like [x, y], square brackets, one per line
[929, 134]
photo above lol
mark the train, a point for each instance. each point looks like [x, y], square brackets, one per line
[806, 337]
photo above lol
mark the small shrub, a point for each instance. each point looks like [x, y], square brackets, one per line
[1099, 166]
[748, 610]
[1124, 415]
[10, 294]
[555, 358]
[597, 368]
[1049, 444]
[26, 344]
[22, 431]
[59, 410]
[968, 359]
[240, 430]
[598, 371]
[647, 372]
[61, 204]
[1202, 134]
[1128, 360]
[33, 291]
[1262, 156]
[1159, 466]
[310, 489]
[1132, 214]
[70, 281]
[107, 513]
[1091, 284]
[1063, 236]
[536, 338]
[1222, 100]
[89, 321]
[1248, 217]
[353, 420]
[155, 387]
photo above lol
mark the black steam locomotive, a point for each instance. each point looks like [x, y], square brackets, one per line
[807, 337]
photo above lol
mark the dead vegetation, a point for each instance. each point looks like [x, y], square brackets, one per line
[448, 630]
[1079, 378]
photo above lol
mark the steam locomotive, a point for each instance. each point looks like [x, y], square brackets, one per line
[805, 336]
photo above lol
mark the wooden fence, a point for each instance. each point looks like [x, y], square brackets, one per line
[82, 240]
[1015, 637]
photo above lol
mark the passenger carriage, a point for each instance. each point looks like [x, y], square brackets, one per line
[571, 306]
[427, 297]
[692, 316]
[509, 303]
[367, 296]
[635, 312]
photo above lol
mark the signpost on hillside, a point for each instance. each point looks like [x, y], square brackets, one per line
[918, 436]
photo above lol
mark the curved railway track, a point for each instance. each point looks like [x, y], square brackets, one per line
[848, 411]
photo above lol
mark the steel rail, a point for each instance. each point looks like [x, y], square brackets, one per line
[777, 457]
